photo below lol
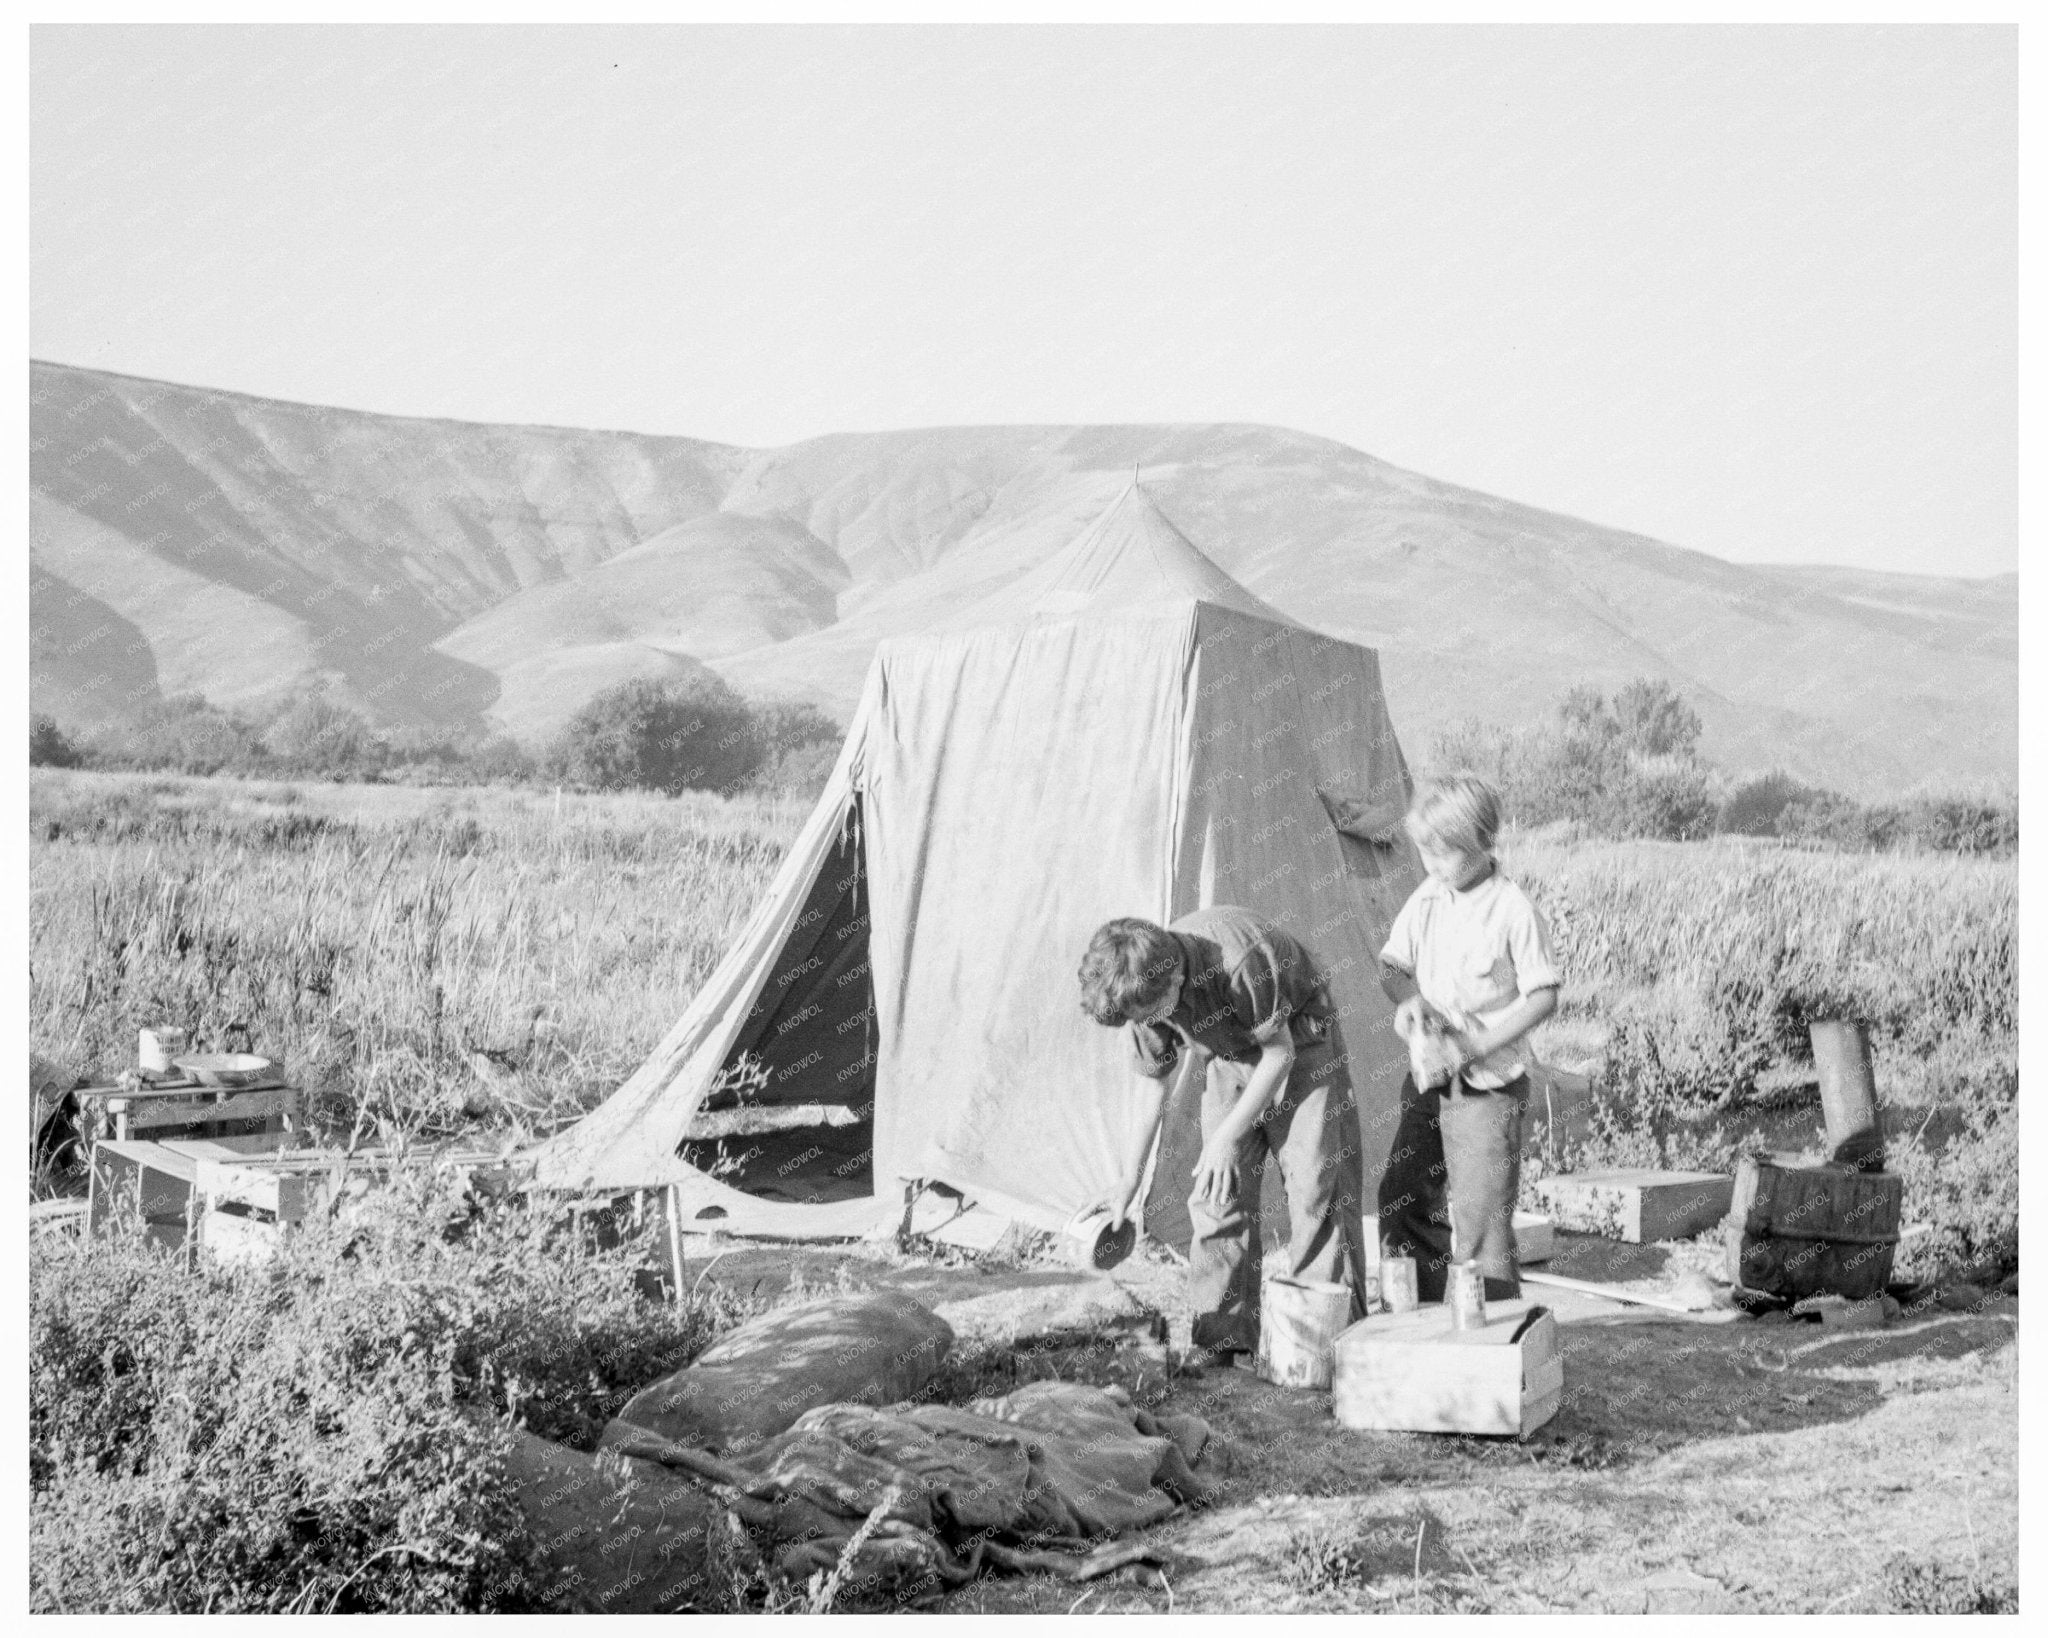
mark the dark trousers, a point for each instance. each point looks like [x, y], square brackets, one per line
[1311, 1133]
[1458, 1154]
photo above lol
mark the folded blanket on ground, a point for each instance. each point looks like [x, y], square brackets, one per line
[916, 1498]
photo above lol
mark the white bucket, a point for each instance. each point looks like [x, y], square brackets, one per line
[1298, 1321]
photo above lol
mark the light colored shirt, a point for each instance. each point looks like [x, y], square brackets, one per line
[1474, 953]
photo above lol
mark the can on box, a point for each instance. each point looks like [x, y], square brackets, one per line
[155, 1048]
[1465, 1297]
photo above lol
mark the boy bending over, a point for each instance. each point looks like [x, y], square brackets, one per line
[1223, 990]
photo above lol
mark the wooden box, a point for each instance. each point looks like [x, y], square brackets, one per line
[1809, 1230]
[1535, 1239]
[1637, 1206]
[1414, 1372]
[159, 1181]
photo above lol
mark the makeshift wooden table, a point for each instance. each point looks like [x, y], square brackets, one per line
[186, 1109]
[236, 1196]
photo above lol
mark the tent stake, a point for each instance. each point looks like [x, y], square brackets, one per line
[675, 1238]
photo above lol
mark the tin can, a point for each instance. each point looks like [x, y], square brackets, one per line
[1465, 1297]
[155, 1048]
[1397, 1284]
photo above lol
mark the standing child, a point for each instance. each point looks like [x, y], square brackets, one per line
[1468, 957]
[1224, 993]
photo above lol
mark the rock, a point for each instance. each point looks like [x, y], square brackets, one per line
[1961, 1297]
[1774, 1316]
[1893, 1308]
[2010, 1285]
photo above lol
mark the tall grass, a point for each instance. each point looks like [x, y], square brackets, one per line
[431, 958]
[1692, 969]
[381, 940]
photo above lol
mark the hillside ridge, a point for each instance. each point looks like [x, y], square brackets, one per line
[436, 570]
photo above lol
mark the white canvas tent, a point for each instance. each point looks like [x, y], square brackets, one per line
[1123, 731]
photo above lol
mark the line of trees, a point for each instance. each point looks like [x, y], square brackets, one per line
[641, 735]
[1621, 765]
[1629, 765]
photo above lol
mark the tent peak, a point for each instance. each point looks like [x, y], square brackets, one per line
[1131, 558]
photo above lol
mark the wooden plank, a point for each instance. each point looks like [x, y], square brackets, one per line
[757, 1118]
[171, 1089]
[157, 1114]
[1645, 1299]
[1638, 1206]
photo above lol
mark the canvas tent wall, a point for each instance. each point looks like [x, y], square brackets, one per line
[1124, 731]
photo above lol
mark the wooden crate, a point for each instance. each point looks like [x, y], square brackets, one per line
[246, 1200]
[1414, 1372]
[159, 1180]
[1637, 1206]
[1535, 1237]
[145, 1178]
[1809, 1230]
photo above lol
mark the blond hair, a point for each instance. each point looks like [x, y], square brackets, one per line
[1460, 810]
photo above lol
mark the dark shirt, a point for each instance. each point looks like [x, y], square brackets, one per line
[1244, 983]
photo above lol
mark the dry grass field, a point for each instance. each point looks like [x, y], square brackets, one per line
[440, 961]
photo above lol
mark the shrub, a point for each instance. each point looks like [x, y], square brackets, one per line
[799, 772]
[665, 736]
[47, 745]
[324, 1434]
[184, 734]
[1624, 767]
[315, 735]
[1752, 808]
[1668, 797]
[795, 725]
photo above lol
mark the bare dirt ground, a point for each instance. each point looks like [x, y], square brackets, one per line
[1735, 1467]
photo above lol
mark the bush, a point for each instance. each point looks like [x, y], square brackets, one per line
[665, 736]
[324, 1435]
[316, 736]
[1753, 807]
[48, 747]
[184, 734]
[1629, 767]
[1669, 797]
[1621, 767]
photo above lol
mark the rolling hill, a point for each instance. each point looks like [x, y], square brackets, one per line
[189, 540]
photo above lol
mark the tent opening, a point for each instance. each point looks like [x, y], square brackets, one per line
[792, 1113]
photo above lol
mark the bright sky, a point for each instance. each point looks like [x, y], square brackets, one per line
[1749, 290]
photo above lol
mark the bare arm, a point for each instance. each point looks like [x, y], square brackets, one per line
[1216, 1171]
[1152, 1100]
